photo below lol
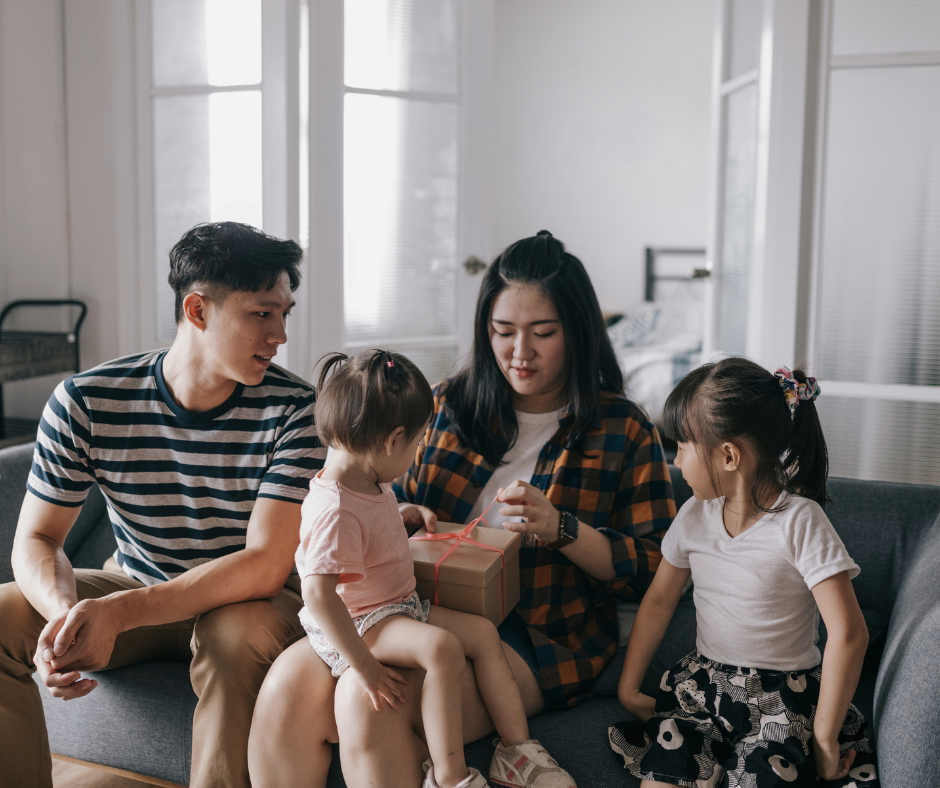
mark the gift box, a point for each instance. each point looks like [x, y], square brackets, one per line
[471, 578]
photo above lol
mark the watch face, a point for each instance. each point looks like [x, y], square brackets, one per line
[568, 530]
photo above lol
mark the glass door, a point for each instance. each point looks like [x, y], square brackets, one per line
[409, 114]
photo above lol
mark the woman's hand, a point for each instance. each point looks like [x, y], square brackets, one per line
[829, 765]
[380, 682]
[641, 706]
[417, 516]
[524, 500]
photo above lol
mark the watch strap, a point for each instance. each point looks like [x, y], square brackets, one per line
[567, 531]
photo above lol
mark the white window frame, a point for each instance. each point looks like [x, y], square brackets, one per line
[279, 88]
[827, 63]
[323, 320]
[778, 276]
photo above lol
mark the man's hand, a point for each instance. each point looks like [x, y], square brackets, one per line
[67, 684]
[85, 638]
[829, 765]
[417, 516]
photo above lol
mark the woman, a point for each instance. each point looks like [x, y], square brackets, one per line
[541, 399]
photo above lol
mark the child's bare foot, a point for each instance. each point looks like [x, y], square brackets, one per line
[527, 765]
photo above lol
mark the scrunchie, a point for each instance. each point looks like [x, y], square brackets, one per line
[795, 391]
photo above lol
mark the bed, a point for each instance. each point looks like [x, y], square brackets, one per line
[660, 341]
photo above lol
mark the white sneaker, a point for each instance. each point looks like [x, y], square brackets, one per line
[475, 780]
[527, 765]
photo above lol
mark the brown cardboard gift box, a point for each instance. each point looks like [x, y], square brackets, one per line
[472, 578]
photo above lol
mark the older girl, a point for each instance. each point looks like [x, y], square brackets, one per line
[752, 705]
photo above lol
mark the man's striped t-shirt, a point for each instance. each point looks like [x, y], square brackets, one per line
[179, 485]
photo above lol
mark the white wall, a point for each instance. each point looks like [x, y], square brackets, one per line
[34, 254]
[601, 130]
[67, 167]
[600, 133]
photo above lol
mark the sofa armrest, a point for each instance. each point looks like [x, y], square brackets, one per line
[907, 694]
[15, 463]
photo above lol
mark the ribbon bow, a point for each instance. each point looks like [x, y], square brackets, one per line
[794, 391]
[463, 536]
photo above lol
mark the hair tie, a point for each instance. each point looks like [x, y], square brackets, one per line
[794, 391]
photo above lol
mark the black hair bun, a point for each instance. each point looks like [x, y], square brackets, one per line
[540, 233]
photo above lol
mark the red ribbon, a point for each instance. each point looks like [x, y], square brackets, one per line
[462, 536]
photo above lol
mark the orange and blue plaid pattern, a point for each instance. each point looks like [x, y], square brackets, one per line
[620, 486]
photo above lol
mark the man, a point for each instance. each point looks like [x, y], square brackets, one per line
[204, 453]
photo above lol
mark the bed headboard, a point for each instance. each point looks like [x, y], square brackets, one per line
[654, 274]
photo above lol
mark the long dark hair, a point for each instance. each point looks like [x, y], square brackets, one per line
[478, 399]
[736, 398]
[360, 400]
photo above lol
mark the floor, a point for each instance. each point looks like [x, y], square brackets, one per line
[74, 775]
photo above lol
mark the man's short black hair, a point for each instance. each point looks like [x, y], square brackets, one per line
[221, 257]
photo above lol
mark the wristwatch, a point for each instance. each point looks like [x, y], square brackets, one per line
[567, 530]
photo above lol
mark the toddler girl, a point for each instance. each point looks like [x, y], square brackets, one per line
[751, 706]
[361, 611]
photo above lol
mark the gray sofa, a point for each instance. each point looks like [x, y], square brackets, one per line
[139, 719]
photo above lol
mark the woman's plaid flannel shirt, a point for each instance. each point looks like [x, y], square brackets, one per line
[621, 487]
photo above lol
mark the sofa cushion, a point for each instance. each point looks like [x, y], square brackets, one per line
[577, 739]
[139, 718]
[881, 525]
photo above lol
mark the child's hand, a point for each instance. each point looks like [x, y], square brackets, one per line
[416, 516]
[381, 682]
[639, 705]
[829, 765]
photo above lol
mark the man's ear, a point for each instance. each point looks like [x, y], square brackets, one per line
[730, 456]
[194, 310]
[394, 441]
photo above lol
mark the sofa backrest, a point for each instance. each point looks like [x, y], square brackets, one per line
[15, 463]
[882, 525]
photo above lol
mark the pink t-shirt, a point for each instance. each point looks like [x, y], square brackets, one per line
[359, 537]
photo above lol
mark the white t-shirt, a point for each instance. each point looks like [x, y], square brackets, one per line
[752, 594]
[535, 430]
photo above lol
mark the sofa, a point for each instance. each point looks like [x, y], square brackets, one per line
[139, 719]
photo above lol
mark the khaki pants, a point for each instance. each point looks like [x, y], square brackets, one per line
[230, 648]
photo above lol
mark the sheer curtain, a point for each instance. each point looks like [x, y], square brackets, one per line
[205, 96]
[878, 280]
[400, 178]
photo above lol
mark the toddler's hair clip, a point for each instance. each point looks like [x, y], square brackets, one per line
[796, 392]
[391, 364]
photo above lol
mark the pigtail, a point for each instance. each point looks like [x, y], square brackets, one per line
[363, 398]
[326, 365]
[331, 365]
[806, 462]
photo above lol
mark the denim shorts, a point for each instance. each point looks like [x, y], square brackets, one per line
[514, 634]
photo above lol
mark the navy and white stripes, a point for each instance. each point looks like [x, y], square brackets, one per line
[179, 485]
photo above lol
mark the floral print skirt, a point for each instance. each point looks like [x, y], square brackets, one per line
[722, 725]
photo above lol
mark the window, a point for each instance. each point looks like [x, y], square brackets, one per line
[877, 286]
[400, 173]
[218, 115]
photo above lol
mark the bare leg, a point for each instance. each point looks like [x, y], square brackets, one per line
[380, 748]
[402, 641]
[494, 678]
[387, 748]
[293, 723]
